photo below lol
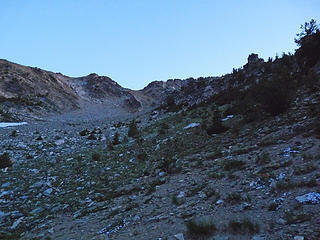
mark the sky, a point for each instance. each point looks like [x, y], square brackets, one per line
[138, 41]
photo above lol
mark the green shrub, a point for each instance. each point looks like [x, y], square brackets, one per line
[293, 218]
[234, 198]
[274, 93]
[304, 170]
[233, 164]
[95, 156]
[201, 226]
[163, 129]
[133, 129]
[273, 206]
[263, 158]
[5, 160]
[174, 199]
[215, 125]
[142, 156]
[92, 136]
[14, 133]
[116, 140]
[243, 227]
[84, 132]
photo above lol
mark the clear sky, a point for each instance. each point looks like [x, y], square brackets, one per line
[138, 41]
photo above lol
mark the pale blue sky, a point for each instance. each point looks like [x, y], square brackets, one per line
[138, 41]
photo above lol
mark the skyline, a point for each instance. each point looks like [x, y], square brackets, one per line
[136, 42]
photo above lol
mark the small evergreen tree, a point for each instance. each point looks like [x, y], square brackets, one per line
[309, 42]
[215, 125]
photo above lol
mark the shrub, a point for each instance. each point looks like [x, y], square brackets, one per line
[243, 227]
[133, 130]
[234, 198]
[293, 218]
[304, 170]
[142, 156]
[116, 140]
[174, 199]
[5, 160]
[92, 136]
[95, 156]
[110, 147]
[14, 133]
[263, 158]
[274, 93]
[201, 226]
[215, 126]
[163, 128]
[273, 206]
[84, 132]
[233, 164]
[309, 41]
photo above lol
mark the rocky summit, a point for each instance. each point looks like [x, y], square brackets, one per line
[229, 157]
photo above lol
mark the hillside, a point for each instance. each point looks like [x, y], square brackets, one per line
[32, 93]
[224, 158]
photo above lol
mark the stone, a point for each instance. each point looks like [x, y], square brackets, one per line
[181, 198]
[37, 210]
[227, 118]
[37, 184]
[192, 125]
[59, 142]
[16, 223]
[48, 192]
[309, 198]
[179, 236]
[298, 238]
[220, 201]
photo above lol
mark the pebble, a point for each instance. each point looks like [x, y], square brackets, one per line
[179, 236]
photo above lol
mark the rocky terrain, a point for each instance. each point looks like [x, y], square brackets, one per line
[231, 157]
[33, 93]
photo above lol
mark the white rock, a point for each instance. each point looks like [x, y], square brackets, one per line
[312, 197]
[181, 195]
[179, 236]
[298, 238]
[191, 125]
[227, 118]
[48, 192]
[59, 142]
[220, 201]
[11, 124]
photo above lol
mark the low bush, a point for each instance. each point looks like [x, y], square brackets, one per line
[201, 226]
[5, 160]
[233, 164]
[95, 156]
[133, 129]
[243, 227]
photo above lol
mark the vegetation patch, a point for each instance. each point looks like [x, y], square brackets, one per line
[243, 227]
[201, 226]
